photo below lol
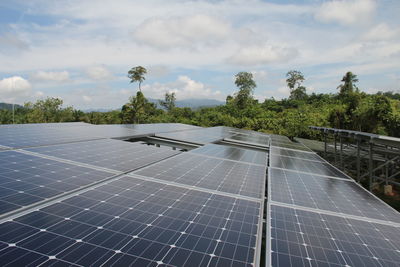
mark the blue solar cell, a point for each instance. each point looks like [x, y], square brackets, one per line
[304, 238]
[162, 224]
[27, 179]
[210, 173]
[107, 153]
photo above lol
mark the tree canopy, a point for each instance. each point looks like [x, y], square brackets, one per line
[244, 81]
[136, 74]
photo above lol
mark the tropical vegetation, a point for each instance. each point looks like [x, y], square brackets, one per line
[350, 108]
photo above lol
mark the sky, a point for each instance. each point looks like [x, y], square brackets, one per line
[81, 50]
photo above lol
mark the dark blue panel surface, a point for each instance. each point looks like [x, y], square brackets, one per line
[210, 173]
[26, 179]
[303, 238]
[135, 222]
[108, 153]
[328, 194]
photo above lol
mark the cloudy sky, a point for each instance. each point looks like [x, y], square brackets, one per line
[81, 50]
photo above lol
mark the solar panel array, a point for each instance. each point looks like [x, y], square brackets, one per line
[29, 135]
[207, 172]
[69, 197]
[108, 153]
[318, 216]
[233, 153]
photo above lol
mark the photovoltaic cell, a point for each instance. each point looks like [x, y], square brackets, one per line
[199, 136]
[26, 179]
[320, 168]
[135, 222]
[232, 153]
[258, 140]
[276, 151]
[210, 173]
[30, 135]
[329, 194]
[296, 146]
[112, 154]
[304, 238]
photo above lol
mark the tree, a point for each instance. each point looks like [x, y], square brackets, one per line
[294, 80]
[244, 81]
[136, 74]
[348, 84]
[169, 101]
[138, 110]
[49, 110]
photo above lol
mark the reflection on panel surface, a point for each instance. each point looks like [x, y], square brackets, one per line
[26, 179]
[232, 153]
[210, 173]
[112, 154]
[320, 168]
[303, 238]
[328, 194]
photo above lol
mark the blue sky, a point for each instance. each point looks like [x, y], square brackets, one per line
[81, 50]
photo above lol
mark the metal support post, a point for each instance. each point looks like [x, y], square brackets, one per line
[387, 166]
[334, 138]
[358, 160]
[370, 166]
[325, 146]
[341, 152]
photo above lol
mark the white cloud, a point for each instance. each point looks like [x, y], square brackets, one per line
[99, 73]
[51, 76]
[14, 85]
[263, 54]
[381, 32]
[14, 88]
[181, 31]
[259, 75]
[184, 88]
[346, 12]
[87, 98]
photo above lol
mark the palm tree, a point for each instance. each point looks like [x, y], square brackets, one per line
[348, 83]
[136, 74]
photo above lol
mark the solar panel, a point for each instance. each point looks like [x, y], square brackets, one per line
[296, 146]
[210, 173]
[112, 154]
[199, 136]
[280, 138]
[329, 194]
[134, 222]
[232, 153]
[29, 135]
[258, 140]
[304, 238]
[320, 168]
[160, 127]
[27, 179]
[295, 154]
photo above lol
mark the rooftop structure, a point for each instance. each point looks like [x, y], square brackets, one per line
[180, 195]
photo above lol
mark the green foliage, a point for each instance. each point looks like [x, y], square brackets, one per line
[138, 110]
[353, 110]
[294, 80]
[169, 101]
[348, 84]
[244, 81]
[136, 74]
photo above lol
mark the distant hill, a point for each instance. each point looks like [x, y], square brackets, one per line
[9, 106]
